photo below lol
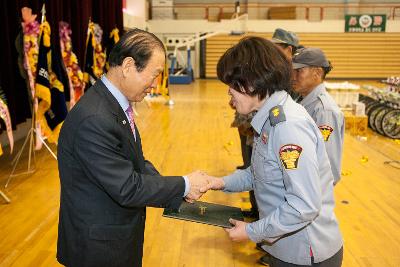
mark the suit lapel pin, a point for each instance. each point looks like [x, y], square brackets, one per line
[124, 122]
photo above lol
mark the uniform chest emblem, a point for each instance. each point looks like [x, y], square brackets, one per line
[264, 138]
[289, 155]
[326, 131]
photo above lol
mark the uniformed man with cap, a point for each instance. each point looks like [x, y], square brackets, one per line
[286, 41]
[310, 68]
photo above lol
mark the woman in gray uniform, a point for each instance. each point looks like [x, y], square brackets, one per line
[290, 172]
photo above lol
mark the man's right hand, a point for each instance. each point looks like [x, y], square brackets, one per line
[197, 180]
[200, 183]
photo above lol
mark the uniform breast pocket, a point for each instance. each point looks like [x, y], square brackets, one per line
[263, 165]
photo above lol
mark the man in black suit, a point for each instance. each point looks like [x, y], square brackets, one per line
[106, 183]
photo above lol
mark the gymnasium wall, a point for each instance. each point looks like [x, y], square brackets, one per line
[353, 55]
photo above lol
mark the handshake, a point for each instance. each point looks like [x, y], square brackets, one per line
[200, 183]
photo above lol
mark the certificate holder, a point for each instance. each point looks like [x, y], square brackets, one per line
[207, 213]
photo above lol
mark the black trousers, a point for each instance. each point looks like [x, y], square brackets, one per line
[334, 261]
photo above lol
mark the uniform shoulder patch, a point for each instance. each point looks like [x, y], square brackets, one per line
[289, 155]
[276, 115]
[326, 131]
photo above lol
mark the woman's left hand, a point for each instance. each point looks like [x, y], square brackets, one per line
[238, 232]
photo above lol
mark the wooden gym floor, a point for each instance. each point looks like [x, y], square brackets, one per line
[195, 134]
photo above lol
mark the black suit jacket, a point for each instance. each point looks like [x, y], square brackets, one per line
[106, 185]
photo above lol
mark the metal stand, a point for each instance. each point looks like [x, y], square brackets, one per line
[5, 197]
[32, 154]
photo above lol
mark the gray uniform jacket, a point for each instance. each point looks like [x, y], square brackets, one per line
[293, 184]
[330, 120]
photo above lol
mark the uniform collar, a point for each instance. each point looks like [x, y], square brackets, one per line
[122, 100]
[263, 114]
[311, 97]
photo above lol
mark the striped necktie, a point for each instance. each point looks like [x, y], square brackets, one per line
[129, 112]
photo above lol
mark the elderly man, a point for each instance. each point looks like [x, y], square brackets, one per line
[310, 68]
[106, 183]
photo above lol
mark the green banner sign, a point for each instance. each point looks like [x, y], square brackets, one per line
[365, 23]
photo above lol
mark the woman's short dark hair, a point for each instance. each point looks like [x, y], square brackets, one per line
[137, 44]
[255, 66]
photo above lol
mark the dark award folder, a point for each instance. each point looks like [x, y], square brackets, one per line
[207, 213]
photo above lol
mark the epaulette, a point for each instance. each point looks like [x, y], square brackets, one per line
[276, 115]
[324, 101]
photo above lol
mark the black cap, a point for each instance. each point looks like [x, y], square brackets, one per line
[309, 57]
